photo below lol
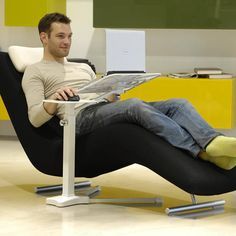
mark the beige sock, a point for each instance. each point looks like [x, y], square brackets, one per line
[223, 162]
[222, 146]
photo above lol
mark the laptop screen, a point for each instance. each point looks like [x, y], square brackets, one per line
[125, 51]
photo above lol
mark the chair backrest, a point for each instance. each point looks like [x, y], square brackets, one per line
[41, 143]
[24, 56]
[44, 145]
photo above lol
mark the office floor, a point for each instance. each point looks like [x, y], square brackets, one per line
[25, 213]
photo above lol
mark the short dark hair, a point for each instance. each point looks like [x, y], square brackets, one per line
[47, 20]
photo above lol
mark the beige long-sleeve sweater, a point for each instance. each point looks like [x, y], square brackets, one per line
[42, 79]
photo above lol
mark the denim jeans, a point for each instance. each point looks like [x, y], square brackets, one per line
[175, 120]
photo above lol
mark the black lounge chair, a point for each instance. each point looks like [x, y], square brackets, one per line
[44, 148]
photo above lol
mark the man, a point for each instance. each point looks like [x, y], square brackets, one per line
[174, 120]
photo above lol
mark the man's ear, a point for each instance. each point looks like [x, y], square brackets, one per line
[43, 37]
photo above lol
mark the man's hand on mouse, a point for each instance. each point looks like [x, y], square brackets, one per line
[64, 93]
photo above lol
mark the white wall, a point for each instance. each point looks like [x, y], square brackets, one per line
[167, 50]
[87, 41]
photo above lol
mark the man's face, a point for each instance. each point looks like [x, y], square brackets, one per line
[57, 43]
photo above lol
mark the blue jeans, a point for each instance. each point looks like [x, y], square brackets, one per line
[175, 120]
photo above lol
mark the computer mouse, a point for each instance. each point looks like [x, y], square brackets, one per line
[73, 98]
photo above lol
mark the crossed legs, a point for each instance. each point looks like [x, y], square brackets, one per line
[174, 120]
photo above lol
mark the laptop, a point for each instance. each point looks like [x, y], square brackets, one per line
[125, 51]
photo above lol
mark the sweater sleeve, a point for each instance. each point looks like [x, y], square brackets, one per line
[33, 87]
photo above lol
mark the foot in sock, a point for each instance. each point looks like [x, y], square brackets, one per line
[222, 146]
[223, 162]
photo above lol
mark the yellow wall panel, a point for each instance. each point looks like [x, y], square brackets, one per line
[28, 12]
[213, 98]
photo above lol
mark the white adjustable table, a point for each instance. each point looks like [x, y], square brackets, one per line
[68, 196]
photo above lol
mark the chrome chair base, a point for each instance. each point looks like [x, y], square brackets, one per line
[196, 207]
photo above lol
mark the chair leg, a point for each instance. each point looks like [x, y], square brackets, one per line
[52, 188]
[156, 201]
[195, 207]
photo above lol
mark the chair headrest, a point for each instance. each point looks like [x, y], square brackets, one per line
[24, 56]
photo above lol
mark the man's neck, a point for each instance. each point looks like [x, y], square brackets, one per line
[51, 58]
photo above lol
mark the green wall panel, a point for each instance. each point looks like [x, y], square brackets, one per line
[166, 14]
[28, 12]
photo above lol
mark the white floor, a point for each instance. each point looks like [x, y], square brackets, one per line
[25, 213]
